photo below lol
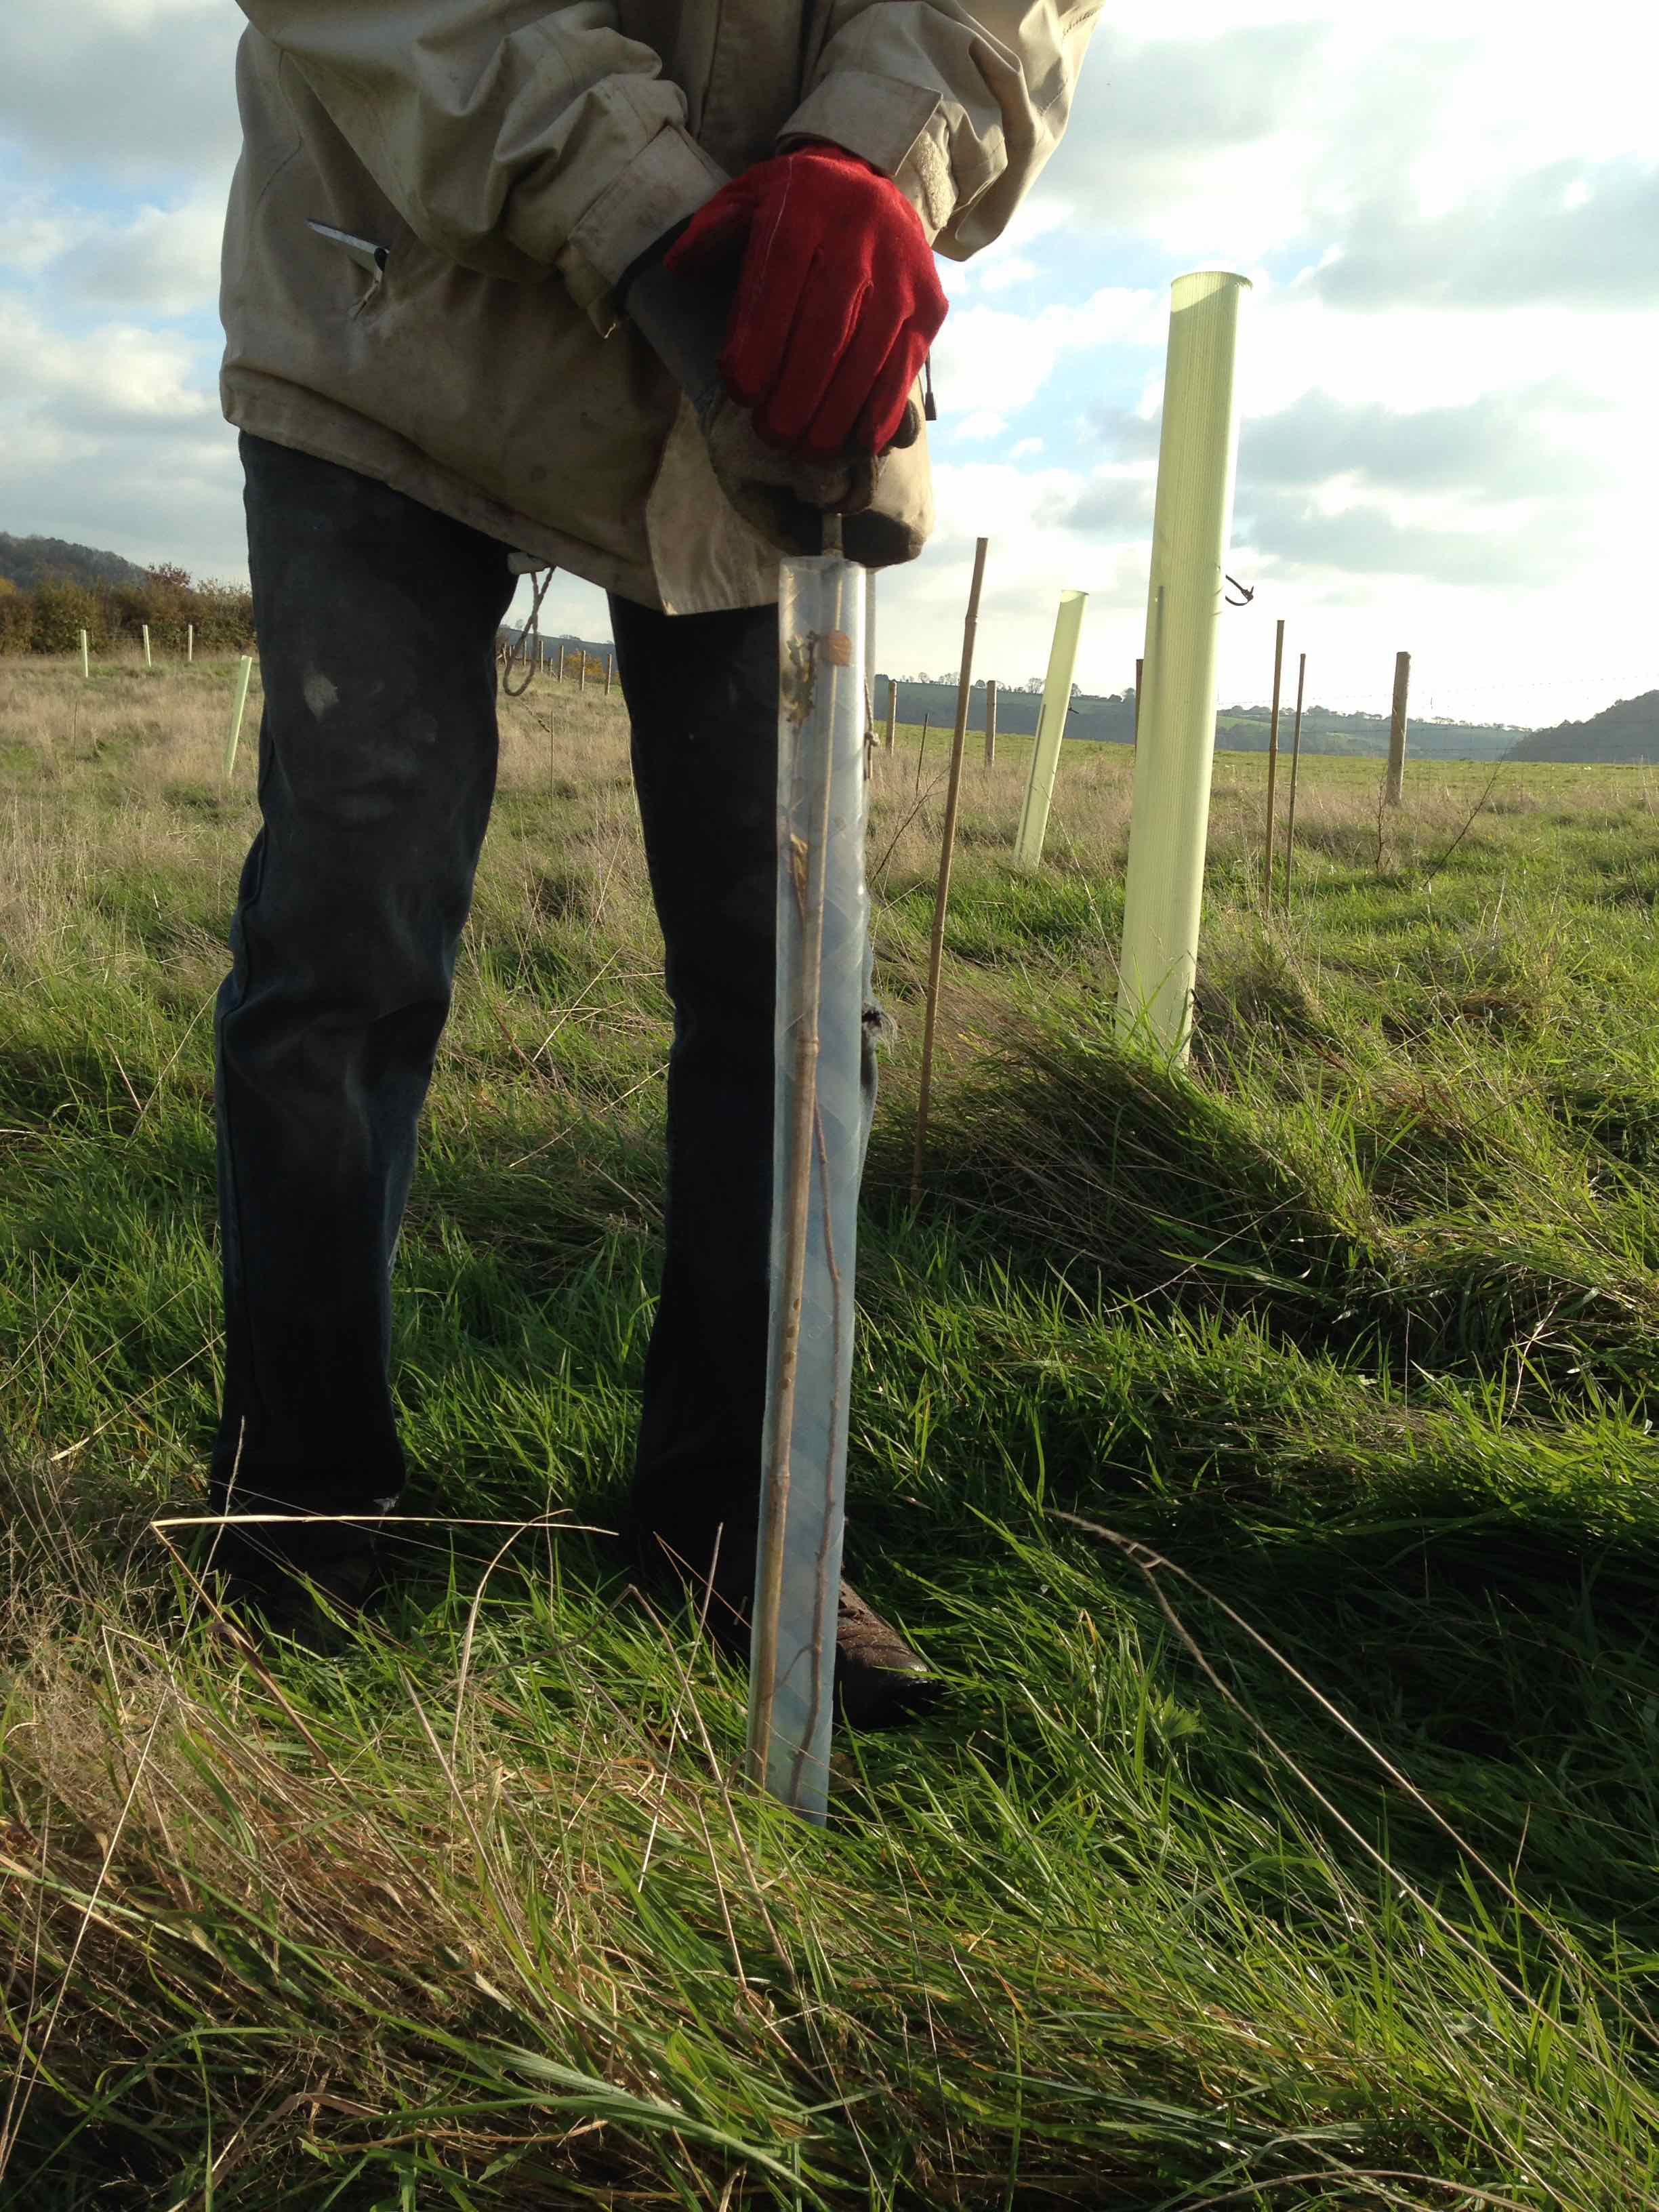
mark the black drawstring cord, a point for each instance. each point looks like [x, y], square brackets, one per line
[526, 644]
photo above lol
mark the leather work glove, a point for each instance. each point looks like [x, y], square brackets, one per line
[784, 495]
[837, 299]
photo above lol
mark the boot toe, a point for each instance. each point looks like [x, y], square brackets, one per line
[881, 1681]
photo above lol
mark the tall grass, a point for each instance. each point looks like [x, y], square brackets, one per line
[1262, 1451]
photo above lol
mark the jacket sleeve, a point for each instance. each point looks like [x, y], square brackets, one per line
[961, 102]
[504, 136]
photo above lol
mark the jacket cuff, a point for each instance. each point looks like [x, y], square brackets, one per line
[900, 129]
[670, 180]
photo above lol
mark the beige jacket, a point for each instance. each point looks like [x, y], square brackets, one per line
[435, 196]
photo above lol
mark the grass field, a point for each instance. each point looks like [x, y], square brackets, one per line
[1263, 1453]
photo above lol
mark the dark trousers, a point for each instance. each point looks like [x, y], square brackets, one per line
[377, 622]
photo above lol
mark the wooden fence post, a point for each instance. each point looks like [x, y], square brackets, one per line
[892, 710]
[921, 747]
[990, 721]
[190, 641]
[1394, 790]
[86, 663]
[144, 632]
[610, 670]
[1272, 768]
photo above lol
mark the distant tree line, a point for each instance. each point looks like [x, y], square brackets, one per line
[50, 615]
[545, 652]
[1109, 718]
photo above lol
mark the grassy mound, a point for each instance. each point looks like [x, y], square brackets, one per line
[1262, 1451]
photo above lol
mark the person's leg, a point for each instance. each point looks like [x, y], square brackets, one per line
[377, 622]
[702, 694]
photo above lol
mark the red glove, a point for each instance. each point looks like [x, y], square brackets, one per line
[838, 300]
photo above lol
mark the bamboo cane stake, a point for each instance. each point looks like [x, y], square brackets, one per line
[1273, 770]
[1296, 766]
[942, 899]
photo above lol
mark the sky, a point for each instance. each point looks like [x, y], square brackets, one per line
[1448, 357]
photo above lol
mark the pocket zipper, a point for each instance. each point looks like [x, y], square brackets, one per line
[363, 251]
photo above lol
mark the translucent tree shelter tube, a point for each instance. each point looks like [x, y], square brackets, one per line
[1051, 728]
[1175, 755]
[238, 709]
[823, 915]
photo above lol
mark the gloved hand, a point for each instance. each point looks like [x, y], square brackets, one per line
[784, 495]
[837, 299]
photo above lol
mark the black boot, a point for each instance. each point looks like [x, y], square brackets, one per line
[881, 1681]
[304, 1580]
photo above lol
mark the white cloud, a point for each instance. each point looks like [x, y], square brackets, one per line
[113, 438]
[118, 375]
[165, 261]
[158, 261]
[1445, 414]
[134, 87]
[993, 361]
[1568, 232]
[33, 235]
[1004, 274]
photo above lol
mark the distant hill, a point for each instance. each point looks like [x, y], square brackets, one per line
[1109, 719]
[29, 562]
[1324, 730]
[595, 648]
[1627, 731]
